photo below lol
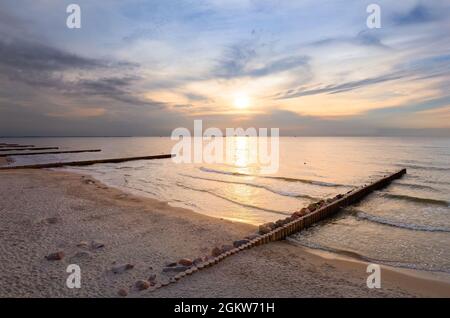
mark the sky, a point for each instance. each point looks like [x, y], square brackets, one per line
[146, 67]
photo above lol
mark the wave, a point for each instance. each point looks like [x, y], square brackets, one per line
[420, 167]
[378, 219]
[245, 205]
[415, 186]
[416, 199]
[287, 179]
[282, 193]
[360, 257]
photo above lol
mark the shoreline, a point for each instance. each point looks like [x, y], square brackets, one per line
[149, 233]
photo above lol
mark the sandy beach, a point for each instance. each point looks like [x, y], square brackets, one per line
[48, 211]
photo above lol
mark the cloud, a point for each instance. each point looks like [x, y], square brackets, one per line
[79, 113]
[245, 60]
[418, 14]
[40, 65]
[337, 88]
[363, 38]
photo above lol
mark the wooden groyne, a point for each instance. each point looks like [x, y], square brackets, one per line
[48, 152]
[283, 228]
[14, 145]
[86, 162]
[28, 149]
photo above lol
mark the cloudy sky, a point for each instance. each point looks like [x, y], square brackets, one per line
[145, 67]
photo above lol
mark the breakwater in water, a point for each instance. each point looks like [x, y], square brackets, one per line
[271, 232]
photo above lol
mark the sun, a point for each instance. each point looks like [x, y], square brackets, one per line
[241, 101]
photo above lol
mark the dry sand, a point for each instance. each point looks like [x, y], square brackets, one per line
[47, 211]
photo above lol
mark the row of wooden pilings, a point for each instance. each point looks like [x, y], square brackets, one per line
[292, 227]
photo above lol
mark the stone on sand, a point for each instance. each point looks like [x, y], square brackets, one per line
[118, 269]
[185, 262]
[57, 256]
[264, 229]
[142, 285]
[197, 261]
[226, 248]
[123, 292]
[97, 244]
[83, 244]
[216, 251]
[240, 242]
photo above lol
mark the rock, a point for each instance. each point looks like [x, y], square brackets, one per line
[171, 264]
[55, 256]
[226, 248]
[123, 292]
[264, 229]
[279, 223]
[287, 220]
[251, 237]
[83, 244]
[271, 225]
[175, 269]
[197, 261]
[312, 207]
[185, 262]
[97, 244]
[216, 251]
[118, 269]
[240, 242]
[142, 285]
[52, 220]
[297, 215]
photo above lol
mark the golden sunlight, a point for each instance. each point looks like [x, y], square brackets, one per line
[241, 101]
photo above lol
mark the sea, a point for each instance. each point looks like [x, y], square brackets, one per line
[405, 225]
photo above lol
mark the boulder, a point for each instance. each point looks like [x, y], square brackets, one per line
[251, 237]
[216, 251]
[83, 244]
[57, 256]
[52, 220]
[197, 261]
[240, 242]
[118, 269]
[185, 262]
[142, 285]
[227, 248]
[264, 229]
[97, 244]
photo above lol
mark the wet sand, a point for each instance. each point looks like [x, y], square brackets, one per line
[46, 211]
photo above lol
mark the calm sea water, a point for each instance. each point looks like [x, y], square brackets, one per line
[404, 225]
